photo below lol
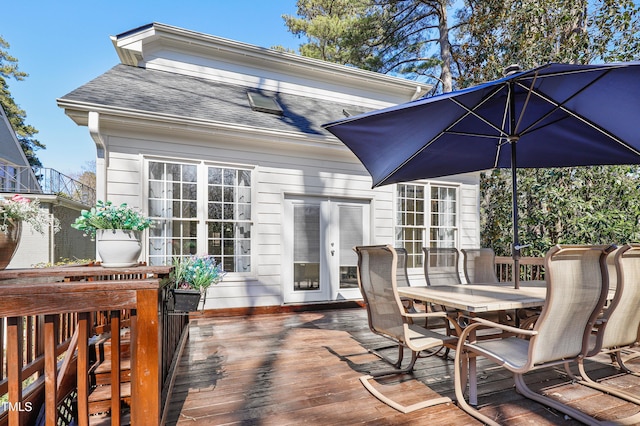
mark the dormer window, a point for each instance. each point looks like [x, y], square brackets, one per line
[264, 103]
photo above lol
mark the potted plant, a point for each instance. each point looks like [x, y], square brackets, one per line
[15, 211]
[116, 230]
[192, 276]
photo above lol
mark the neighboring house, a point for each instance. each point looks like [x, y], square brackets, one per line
[221, 143]
[52, 189]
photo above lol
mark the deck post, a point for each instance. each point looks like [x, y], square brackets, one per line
[147, 359]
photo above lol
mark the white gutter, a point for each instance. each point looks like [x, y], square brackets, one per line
[101, 155]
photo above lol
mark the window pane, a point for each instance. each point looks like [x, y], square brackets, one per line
[244, 178]
[229, 177]
[189, 173]
[189, 191]
[215, 175]
[215, 193]
[156, 171]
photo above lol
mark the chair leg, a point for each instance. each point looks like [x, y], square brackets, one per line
[585, 380]
[460, 383]
[397, 363]
[623, 367]
[525, 391]
[365, 380]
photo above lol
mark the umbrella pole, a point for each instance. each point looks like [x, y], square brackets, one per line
[515, 247]
[513, 140]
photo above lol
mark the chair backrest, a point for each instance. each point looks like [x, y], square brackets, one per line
[441, 265]
[611, 269]
[402, 276]
[480, 266]
[377, 272]
[577, 286]
[622, 316]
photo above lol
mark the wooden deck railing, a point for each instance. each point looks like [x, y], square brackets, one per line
[50, 315]
[531, 268]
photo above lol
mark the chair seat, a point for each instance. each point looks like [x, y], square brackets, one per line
[512, 352]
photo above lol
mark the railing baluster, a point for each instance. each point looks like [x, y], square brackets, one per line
[3, 371]
[14, 367]
[84, 323]
[115, 368]
[50, 369]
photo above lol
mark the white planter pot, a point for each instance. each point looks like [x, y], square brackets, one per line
[118, 248]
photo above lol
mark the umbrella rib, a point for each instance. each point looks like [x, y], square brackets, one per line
[559, 106]
[472, 112]
[446, 131]
[526, 103]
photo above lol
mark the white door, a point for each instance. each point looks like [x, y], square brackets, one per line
[320, 264]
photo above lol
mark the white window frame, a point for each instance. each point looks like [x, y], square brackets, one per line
[202, 202]
[425, 229]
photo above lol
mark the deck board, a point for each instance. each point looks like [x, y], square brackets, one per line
[303, 368]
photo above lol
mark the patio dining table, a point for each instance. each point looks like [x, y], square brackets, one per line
[478, 298]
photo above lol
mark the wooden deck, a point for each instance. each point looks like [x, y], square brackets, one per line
[303, 368]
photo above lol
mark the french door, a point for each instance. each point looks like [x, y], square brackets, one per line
[319, 261]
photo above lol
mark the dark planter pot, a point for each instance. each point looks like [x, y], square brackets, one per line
[184, 300]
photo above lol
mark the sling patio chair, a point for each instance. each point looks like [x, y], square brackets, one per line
[402, 277]
[577, 287]
[377, 278]
[618, 326]
[479, 266]
[441, 265]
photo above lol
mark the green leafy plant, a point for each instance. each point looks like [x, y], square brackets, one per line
[105, 215]
[19, 208]
[196, 272]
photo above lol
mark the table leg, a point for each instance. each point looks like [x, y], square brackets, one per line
[473, 377]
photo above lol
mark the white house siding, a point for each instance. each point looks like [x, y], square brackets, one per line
[278, 172]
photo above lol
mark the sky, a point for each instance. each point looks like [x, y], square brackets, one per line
[65, 44]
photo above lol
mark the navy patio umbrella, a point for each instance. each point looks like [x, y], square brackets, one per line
[555, 115]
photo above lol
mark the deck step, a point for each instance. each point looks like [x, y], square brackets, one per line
[100, 398]
[102, 372]
[101, 347]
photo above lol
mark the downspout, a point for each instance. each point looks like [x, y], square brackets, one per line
[101, 155]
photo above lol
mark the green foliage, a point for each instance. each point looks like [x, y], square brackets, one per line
[196, 272]
[497, 33]
[407, 37]
[24, 132]
[581, 205]
[107, 216]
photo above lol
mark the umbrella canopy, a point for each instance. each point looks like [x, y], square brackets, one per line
[556, 115]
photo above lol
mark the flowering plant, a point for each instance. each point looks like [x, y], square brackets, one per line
[19, 208]
[196, 272]
[107, 216]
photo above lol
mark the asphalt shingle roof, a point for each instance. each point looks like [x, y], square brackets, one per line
[163, 92]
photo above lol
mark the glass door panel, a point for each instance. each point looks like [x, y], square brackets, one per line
[306, 247]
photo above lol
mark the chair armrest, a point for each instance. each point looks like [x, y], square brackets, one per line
[507, 328]
[425, 314]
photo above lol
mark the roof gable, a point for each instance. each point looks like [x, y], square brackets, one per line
[10, 150]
